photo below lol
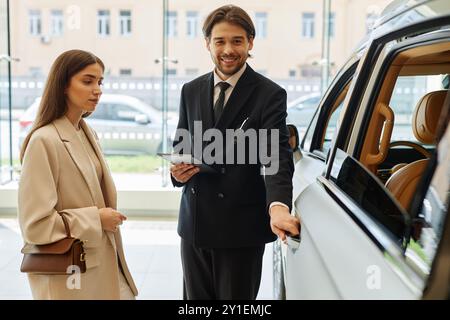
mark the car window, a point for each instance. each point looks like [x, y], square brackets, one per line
[102, 112]
[433, 237]
[429, 214]
[320, 133]
[406, 73]
[306, 143]
[301, 113]
[407, 93]
[123, 112]
[309, 103]
[368, 193]
[331, 128]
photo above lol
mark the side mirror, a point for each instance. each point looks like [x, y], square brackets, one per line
[141, 119]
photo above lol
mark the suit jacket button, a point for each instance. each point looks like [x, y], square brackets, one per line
[221, 195]
[222, 170]
[192, 190]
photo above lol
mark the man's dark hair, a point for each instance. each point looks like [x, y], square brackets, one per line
[231, 14]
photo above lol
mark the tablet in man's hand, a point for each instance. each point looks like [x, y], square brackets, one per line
[176, 158]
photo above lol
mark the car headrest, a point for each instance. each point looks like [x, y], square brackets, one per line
[426, 116]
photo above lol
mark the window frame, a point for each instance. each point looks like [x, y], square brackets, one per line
[192, 22]
[35, 22]
[356, 95]
[125, 22]
[418, 41]
[104, 22]
[308, 25]
[261, 22]
[57, 22]
[319, 120]
[172, 24]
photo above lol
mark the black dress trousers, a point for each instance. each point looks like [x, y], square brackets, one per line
[221, 273]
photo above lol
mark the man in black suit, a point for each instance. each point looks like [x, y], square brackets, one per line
[227, 217]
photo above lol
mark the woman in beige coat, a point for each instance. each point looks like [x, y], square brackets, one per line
[64, 172]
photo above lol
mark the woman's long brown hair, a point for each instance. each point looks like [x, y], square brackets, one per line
[53, 103]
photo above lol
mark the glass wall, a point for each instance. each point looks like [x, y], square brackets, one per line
[151, 48]
[6, 160]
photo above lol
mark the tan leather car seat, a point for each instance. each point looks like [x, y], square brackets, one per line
[403, 182]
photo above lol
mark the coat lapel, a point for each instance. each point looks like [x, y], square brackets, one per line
[102, 195]
[76, 151]
[206, 102]
[237, 99]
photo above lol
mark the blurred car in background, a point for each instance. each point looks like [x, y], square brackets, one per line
[301, 110]
[125, 125]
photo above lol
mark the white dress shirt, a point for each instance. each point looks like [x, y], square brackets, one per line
[232, 81]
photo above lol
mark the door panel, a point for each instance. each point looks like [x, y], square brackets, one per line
[337, 255]
[309, 169]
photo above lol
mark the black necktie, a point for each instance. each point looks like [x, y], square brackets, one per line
[218, 106]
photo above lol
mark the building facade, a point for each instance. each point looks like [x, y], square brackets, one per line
[128, 34]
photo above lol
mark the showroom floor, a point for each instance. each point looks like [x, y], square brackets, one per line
[153, 254]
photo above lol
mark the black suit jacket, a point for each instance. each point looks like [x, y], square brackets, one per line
[230, 209]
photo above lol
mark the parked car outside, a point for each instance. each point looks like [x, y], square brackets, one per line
[301, 110]
[371, 173]
[124, 124]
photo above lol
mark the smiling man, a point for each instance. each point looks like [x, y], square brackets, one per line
[226, 218]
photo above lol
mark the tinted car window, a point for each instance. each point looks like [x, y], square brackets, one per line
[368, 193]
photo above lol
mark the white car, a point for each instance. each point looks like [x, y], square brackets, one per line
[371, 181]
[301, 110]
[125, 125]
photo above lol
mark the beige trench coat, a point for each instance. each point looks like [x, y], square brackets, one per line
[57, 176]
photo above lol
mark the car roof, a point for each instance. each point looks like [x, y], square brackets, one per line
[397, 7]
[400, 13]
[106, 98]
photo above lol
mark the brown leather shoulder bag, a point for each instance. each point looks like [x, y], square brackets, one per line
[54, 258]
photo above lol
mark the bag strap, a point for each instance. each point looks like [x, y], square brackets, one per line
[66, 224]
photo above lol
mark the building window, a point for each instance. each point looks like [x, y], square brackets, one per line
[171, 28]
[125, 72]
[332, 24]
[103, 23]
[34, 18]
[191, 72]
[192, 24]
[292, 74]
[261, 24]
[57, 22]
[308, 25]
[125, 22]
[172, 72]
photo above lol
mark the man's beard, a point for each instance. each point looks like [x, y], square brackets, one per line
[233, 71]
